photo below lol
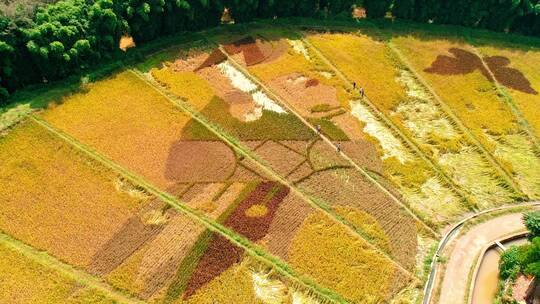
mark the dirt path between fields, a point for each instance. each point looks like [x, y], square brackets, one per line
[468, 247]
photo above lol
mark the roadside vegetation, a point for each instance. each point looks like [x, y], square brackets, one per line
[521, 264]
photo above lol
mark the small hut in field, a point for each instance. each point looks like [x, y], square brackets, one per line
[226, 17]
[359, 13]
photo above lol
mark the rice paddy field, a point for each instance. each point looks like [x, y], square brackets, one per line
[247, 167]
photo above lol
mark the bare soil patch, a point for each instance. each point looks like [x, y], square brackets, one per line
[199, 161]
[520, 288]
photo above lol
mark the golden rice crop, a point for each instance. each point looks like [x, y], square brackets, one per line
[415, 111]
[26, 281]
[64, 203]
[474, 99]
[471, 96]
[331, 255]
[517, 151]
[127, 121]
[526, 62]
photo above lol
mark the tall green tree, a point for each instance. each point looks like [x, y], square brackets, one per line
[377, 8]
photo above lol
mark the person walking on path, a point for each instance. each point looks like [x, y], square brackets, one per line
[361, 92]
[338, 147]
[318, 128]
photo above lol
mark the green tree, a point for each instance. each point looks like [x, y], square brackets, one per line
[377, 8]
[532, 222]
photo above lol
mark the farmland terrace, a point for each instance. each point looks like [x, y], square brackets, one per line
[244, 165]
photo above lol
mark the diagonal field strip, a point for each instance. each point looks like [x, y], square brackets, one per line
[457, 189]
[506, 98]
[325, 139]
[509, 180]
[77, 275]
[237, 146]
[448, 110]
[236, 239]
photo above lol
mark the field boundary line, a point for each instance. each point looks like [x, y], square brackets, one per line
[317, 204]
[408, 142]
[80, 276]
[238, 240]
[359, 168]
[509, 100]
[503, 172]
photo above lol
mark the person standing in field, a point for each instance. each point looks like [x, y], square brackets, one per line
[338, 147]
[318, 128]
[354, 85]
[361, 92]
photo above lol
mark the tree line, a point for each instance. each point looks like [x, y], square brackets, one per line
[66, 37]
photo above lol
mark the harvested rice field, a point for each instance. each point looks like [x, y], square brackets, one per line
[245, 166]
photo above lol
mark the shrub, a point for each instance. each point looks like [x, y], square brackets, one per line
[509, 266]
[532, 222]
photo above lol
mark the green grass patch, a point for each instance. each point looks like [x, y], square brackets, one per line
[329, 129]
[324, 107]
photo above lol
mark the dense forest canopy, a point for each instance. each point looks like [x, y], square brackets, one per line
[67, 36]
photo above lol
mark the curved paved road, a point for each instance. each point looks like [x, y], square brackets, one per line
[449, 290]
[466, 250]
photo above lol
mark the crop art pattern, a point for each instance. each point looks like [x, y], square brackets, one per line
[465, 62]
